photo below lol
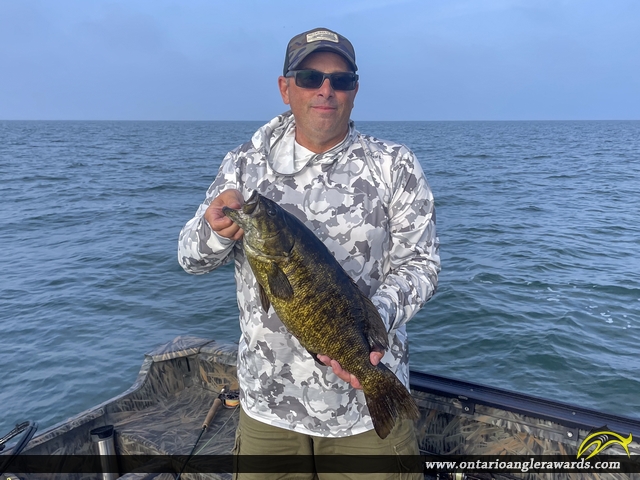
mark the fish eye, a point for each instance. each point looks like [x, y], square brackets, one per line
[271, 212]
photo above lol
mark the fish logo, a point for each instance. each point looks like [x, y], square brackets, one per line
[602, 438]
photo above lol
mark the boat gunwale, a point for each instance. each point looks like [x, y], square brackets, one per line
[565, 414]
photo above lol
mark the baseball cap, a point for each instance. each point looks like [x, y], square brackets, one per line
[317, 40]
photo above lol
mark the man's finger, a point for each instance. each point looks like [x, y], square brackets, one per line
[324, 359]
[219, 222]
[340, 372]
[375, 357]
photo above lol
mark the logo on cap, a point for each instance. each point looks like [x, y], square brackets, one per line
[322, 35]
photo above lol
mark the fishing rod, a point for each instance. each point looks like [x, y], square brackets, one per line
[27, 429]
[217, 403]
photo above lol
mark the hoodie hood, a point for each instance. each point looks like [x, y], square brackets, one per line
[277, 138]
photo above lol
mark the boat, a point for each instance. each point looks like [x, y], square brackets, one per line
[161, 417]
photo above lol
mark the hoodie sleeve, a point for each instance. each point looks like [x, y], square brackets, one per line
[200, 249]
[414, 254]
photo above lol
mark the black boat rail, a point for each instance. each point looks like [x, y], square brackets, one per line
[571, 416]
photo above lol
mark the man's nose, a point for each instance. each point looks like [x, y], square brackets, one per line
[326, 90]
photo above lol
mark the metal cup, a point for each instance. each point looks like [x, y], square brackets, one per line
[103, 436]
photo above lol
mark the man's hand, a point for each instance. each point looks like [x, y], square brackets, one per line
[374, 358]
[219, 222]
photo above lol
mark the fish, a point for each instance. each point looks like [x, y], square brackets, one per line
[320, 304]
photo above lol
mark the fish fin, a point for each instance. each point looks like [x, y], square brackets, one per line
[374, 328]
[388, 401]
[279, 283]
[264, 299]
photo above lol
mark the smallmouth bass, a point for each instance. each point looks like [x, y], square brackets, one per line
[320, 304]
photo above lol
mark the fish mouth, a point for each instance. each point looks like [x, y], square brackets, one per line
[250, 205]
[247, 208]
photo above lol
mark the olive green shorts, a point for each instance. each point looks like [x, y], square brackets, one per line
[254, 438]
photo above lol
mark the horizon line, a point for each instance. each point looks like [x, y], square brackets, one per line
[355, 121]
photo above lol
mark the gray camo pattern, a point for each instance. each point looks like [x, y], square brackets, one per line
[369, 201]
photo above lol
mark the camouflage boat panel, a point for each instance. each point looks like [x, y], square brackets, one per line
[163, 411]
[445, 429]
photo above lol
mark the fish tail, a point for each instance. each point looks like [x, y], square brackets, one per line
[388, 400]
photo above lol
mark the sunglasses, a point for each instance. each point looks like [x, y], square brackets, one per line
[315, 79]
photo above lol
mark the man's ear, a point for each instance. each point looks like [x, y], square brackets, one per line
[283, 85]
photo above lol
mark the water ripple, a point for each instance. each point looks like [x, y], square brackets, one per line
[538, 223]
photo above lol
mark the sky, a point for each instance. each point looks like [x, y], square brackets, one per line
[417, 60]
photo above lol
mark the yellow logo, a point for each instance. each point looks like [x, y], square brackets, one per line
[601, 439]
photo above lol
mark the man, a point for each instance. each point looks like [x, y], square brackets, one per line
[369, 202]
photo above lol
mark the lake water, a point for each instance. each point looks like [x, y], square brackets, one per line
[540, 245]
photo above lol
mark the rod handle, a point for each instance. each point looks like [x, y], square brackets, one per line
[212, 412]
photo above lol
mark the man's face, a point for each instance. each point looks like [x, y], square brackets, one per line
[322, 114]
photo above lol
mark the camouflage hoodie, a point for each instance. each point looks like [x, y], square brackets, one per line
[369, 202]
